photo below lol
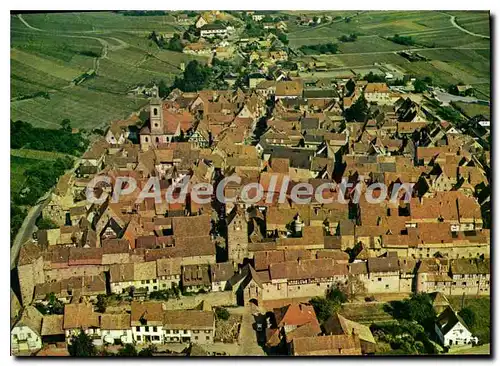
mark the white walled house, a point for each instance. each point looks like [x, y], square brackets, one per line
[79, 317]
[191, 326]
[140, 275]
[452, 331]
[115, 329]
[25, 336]
[220, 273]
[147, 322]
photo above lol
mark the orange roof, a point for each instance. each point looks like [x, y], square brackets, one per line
[295, 314]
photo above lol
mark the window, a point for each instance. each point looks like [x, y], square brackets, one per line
[176, 332]
[164, 285]
[156, 338]
[155, 287]
[208, 338]
[196, 331]
[147, 329]
[147, 281]
[196, 337]
[154, 281]
[207, 331]
[379, 279]
[154, 329]
[155, 111]
[167, 331]
[138, 337]
[137, 329]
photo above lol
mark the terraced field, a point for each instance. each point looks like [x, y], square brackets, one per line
[50, 52]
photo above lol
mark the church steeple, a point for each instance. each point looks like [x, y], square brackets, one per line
[155, 112]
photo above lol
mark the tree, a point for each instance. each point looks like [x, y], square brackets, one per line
[350, 86]
[101, 303]
[175, 43]
[66, 124]
[336, 295]
[195, 77]
[222, 313]
[468, 316]
[324, 308]
[374, 78]
[127, 351]
[419, 86]
[417, 308]
[45, 223]
[81, 346]
[163, 89]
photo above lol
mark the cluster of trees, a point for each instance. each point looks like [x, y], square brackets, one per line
[350, 38]
[40, 178]
[404, 337]
[165, 295]
[374, 78]
[89, 53]
[45, 223]
[253, 29]
[421, 85]
[403, 40]
[418, 308]
[54, 306]
[325, 48]
[172, 44]
[329, 305]
[24, 135]
[196, 77]
[415, 319]
[359, 110]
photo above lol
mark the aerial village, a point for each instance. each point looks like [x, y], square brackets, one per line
[237, 278]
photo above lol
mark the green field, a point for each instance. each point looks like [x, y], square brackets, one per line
[473, 109]
[18, 166]
[62, 47]
[481, 306]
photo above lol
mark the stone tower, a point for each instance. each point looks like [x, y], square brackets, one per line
[237, 236]
[155, 112]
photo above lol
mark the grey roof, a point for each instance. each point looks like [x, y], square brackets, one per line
[448, 319]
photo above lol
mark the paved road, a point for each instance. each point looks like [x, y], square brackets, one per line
[454, 23]
[27, 229]
[447, 97]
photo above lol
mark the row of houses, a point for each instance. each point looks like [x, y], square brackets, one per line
[144, 322]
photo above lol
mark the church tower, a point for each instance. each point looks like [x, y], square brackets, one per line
[155, 113]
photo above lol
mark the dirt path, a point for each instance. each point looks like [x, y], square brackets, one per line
[105, 44]
[454, 23]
